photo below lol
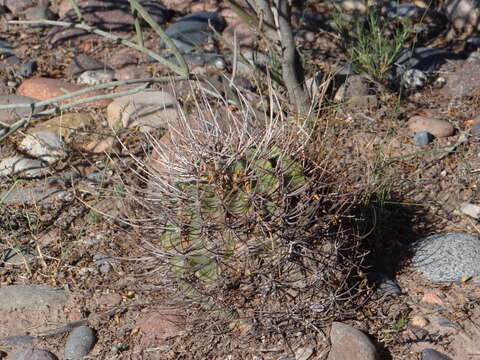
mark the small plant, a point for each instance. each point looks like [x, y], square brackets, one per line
[371, 42]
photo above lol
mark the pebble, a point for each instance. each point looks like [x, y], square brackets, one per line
[431, 354]
[436, 127]
[413, 79]
[469, 209]
[27, 69]
[145, 109]
[303, 353]
[354, 85]
[447, 257]
[385, 285]
[24, 296]
[79, 343]
[40, 12]
[350, 343]
[22, 166]
[9, 116]
[44, 145]
[95, 77]
[192, 30]
[45, 88]
[430, 298]
[422, 138]
[419, 321]
[103, 262]
[33, 354]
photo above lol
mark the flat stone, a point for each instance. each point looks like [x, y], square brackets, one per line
[84, 62]
[79, 342]
[158, 326]
[436, 127]
[192, 30]
[10, 116]
[354, 85]
[17, 341]
[33, 354]
[469, 209]
[24, 296]
[447, 257]
[44, 145]
[463, 81]
[66, 125]
[349, 343]
[32, 195]
[109, 15]
[95, 77]
[22, 166]
[45, 88]
[147, 109]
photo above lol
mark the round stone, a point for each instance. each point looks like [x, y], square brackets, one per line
[422, 138]
[79, 342]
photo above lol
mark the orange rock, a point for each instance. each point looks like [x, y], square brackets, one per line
[430, 298]
[44, 88]
[157, 326]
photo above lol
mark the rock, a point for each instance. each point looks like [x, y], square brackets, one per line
[254, 59]
[17, 341]
[463, 14]
[402, 11]
[108, 15]
[362, 102]
[16, 257]
[84, 62]
[10, 116]
[430, 354]
[16, 6]
[418, 321]
[44, 145]
[193, 30]
[32, 195]
[350, 343]
[475, 129]
[44, 89]
[447, 257]
[22, 166]
[147, 109]
[103, 262]
[109, 300]
[303, 353]
[436, 127]
[40, 12]
[66, 125]
[131, 72]
[5, 48]
[463, 81]
[354, 85]
[422, 138]
[124, 57]
[79, 342]
[33, 354]
[27, 69]
[427, 60]
[158, 326]
[469, 209]
[95, 77]
[385, 285]
[413, 79]
[24, 296]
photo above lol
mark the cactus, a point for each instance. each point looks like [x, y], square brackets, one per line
[229, 208]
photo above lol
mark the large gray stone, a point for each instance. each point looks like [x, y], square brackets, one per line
[447, 257]
[79, 342]
[24, 296]
[17, 165]
[192, 30]
[33, 354]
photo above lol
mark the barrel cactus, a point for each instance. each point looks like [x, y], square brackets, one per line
[250, 222]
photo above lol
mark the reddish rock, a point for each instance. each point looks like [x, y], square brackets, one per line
[123, 57]
[158, 326]
[463, 81]
[436, 127]
[45, 88]
[132, 72]
[431, 298]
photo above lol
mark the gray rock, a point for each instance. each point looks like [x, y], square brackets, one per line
[16, 257]
[430, 354]
[103, 262]
[5, 48]
[32, 195]
[350, 343]
[422, 138]
[27, 69]
[40, 12]
[17, 341]
[19, 296]
[402, 11]
[44, 145]
[464, 80]
[79, 342]
[9, 116]
[84, 62]
[193, 30]
[413, 79]
[447, 257]
[34, 354]
[22, 166]
[385, 285]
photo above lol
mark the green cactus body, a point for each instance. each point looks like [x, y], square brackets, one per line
[220, 215]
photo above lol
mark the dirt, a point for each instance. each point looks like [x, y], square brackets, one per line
[417, 191]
